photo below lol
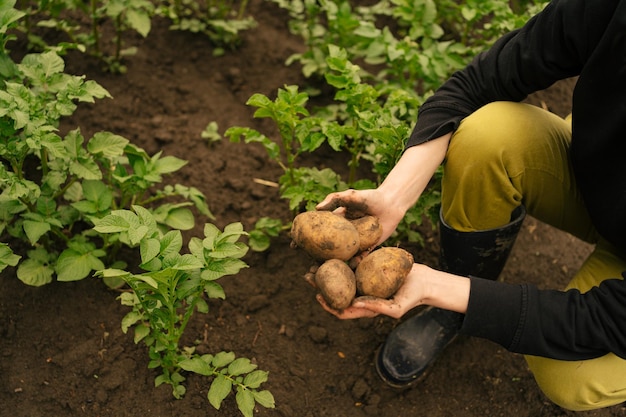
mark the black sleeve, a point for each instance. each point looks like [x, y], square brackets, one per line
[564, 325]
[552, 46]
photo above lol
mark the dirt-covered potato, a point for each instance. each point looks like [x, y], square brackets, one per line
[336, 282]
[370, 231]
[325, 235]
[382, 272]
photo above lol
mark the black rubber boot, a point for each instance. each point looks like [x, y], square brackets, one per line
[414, 345]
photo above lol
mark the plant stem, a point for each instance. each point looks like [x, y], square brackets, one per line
[242, 9]
[118, 37]
[94, 28]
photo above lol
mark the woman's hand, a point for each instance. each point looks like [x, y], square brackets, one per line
[422, 286]
[398, 192]
[408, 296]
[357, 203]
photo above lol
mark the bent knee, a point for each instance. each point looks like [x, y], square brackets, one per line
[578, 385]
[571, 398]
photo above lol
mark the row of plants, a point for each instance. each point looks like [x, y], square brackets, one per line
[71, 205]
[104, 28]
[381, 62]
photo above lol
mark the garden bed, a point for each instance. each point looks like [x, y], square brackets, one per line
[62, 351]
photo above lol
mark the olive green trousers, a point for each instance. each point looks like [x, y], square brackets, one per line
[507, 154]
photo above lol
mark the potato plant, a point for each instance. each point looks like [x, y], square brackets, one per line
[165, 296]
[53, 186]
[368, 125]
[83, 23]
[375, 103]
[413, 51]
[221, 20]
[74, 203]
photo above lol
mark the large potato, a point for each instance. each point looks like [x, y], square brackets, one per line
[370, 231]
[325, 235]
[336, 282]
[382, 272]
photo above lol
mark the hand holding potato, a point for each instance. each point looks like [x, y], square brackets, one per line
[408, 296]
[334, 240]
[354, 204]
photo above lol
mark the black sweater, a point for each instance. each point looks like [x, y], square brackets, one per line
[584, 38]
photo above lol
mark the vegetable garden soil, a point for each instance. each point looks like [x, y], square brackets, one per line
[62, 352]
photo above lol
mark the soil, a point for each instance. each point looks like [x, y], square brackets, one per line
[62, 352]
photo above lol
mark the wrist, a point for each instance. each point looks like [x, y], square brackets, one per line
[444, 290]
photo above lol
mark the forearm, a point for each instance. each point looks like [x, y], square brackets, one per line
[410, 176]
[442, 289]
[565, 325]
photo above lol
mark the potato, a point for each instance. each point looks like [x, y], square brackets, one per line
[382, 272]
[325, 235]
[370, 231]
[336, 282]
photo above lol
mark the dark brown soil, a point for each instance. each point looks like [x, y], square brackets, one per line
[62, 352]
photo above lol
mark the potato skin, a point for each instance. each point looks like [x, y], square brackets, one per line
[382, 272]
[370, 231]
[336, 282]
[325, 235]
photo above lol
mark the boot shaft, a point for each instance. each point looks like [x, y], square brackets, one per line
[482, 253]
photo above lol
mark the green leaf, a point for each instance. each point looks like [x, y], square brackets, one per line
[255, 378]
[221, 267]
[211, 232]
[136, 234]
[35, 273]
[241, 366]
[130, 319]
[214, 290]
[107, 144]
[111, 224]
[245, 401]
[259, 241]
[86, 169]
[196, 365]
[179, 218]
[7, 257]
[74, 266]
[171, 242]
[34, 230]
[113, 273]
[148, 280]
[219, 390]
[51, 63]
[139, 20]
[187, 262]
[229, 250]
[141, 331]
[145, 217]
[149, 248]
[222, 359]
[169, 164]
[98, 193]
[84, 206]
[94, 89]
[265, 398]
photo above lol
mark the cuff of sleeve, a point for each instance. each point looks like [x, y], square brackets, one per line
[495, 311]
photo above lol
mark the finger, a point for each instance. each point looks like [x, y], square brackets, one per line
[356, 260]
[347, 313]
[310, 278]
[330, 203]
[379, 306]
